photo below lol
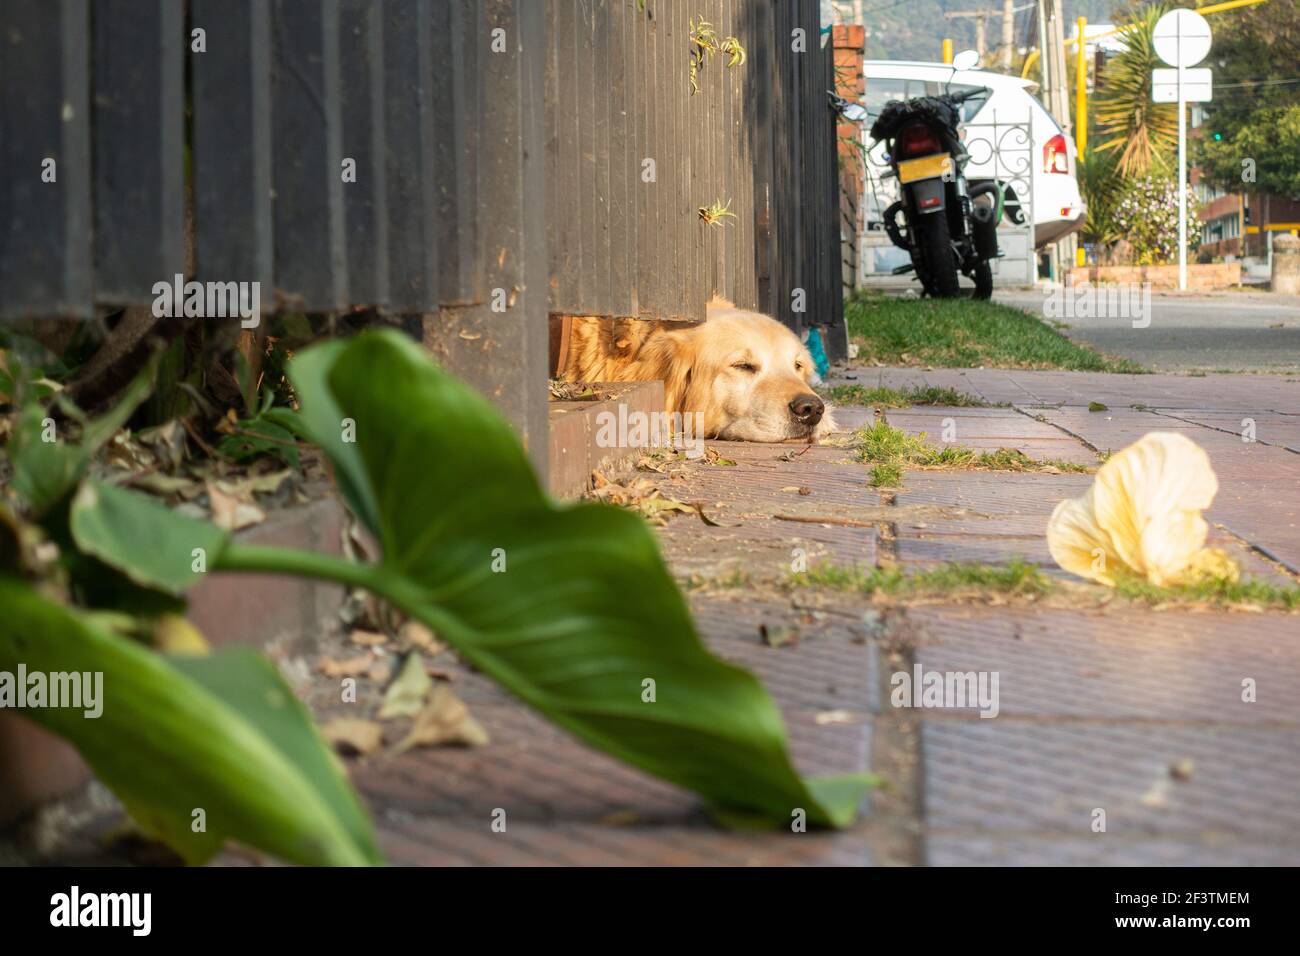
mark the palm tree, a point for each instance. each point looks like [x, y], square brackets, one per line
[1142, 133]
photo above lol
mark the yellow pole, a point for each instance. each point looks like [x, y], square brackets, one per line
[1212, 8]
[947, 50]
[1081, 90]
[1029, 64]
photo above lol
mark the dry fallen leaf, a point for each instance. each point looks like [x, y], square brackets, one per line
[231, 514]
[345, 668]
[1142, 516]
[416, 634]
[350, 735]
[367, 638]
[405, 695]
[444, 720]
[778, 636]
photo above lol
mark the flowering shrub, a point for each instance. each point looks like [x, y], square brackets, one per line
[1146, 216]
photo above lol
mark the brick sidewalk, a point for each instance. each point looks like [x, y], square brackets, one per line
[1137, 713]
[1134, 712]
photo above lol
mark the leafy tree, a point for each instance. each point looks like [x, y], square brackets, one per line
[1141, 133]
[1255, 115]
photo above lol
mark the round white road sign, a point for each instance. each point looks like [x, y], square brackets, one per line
[1182, 37]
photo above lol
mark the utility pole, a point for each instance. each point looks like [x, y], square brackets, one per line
[1008, 33]
[1060, 105]
[980, 17]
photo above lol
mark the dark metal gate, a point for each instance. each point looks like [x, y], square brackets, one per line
[499, 149]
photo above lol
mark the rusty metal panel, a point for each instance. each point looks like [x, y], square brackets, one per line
[409, 146]
[45, 254]
[562, 152]
[623, 166]
[138, 151]
[231, 103]
[499, 345]
[454, 86]
[307, 202]
[365, 203]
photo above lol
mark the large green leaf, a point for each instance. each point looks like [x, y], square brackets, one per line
[583, 615]
[45, 472]
[221, 734]
[154, 546]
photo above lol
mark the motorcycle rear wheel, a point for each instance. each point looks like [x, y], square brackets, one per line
[983, 281]
[937, 256]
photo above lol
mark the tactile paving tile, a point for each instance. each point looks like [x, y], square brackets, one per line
[965, 548]
[992, 493]
[460, 842]
[1029, 387]
[1164, 665]
[762, 547]
[1102, 849]
[1035, 776]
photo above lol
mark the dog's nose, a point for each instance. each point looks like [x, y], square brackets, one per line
[807, 409]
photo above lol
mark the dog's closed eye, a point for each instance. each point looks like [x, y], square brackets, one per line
[748, 367]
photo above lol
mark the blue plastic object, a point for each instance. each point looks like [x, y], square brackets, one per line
[818, 351]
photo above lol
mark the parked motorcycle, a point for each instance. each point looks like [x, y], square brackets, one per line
[946, 227]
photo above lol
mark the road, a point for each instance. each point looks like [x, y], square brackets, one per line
[1226, 331]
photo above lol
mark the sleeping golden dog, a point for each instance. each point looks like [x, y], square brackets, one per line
[747, 374]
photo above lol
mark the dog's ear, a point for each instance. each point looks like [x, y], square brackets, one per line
[668, 356]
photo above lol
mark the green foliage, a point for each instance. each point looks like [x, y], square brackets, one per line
[887, 475]
[1102, 187]
[1256, 50]
[1217, 591]
[1146, 216]
[220, 734]
[892, 449]
[569, 608]
[963, 333]
[1018, 577]
[223, 735]
[1143, 134]
[905, 397]
[46, 472]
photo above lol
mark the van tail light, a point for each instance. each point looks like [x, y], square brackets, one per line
[916, 141]
[1056, 159]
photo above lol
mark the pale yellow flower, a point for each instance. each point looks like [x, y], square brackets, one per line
[1142, 517]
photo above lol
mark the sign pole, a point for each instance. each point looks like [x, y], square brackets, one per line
[1181, 38]
[1182, 182]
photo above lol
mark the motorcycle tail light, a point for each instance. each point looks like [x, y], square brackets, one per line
[916, 141]
[1055, 157]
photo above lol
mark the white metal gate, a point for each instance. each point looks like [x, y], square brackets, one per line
[1000, 152]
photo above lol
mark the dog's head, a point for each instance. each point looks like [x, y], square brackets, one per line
[748, 374]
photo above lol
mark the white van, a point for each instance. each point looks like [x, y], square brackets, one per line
[1057, 207]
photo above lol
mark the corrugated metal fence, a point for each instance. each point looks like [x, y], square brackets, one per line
[634, 155]
[497, 144]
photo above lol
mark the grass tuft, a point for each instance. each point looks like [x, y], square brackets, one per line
[1022, 579]
[964, 333]
[1018, 577]
[902, 398]
[883, 445]
[1218, 591]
